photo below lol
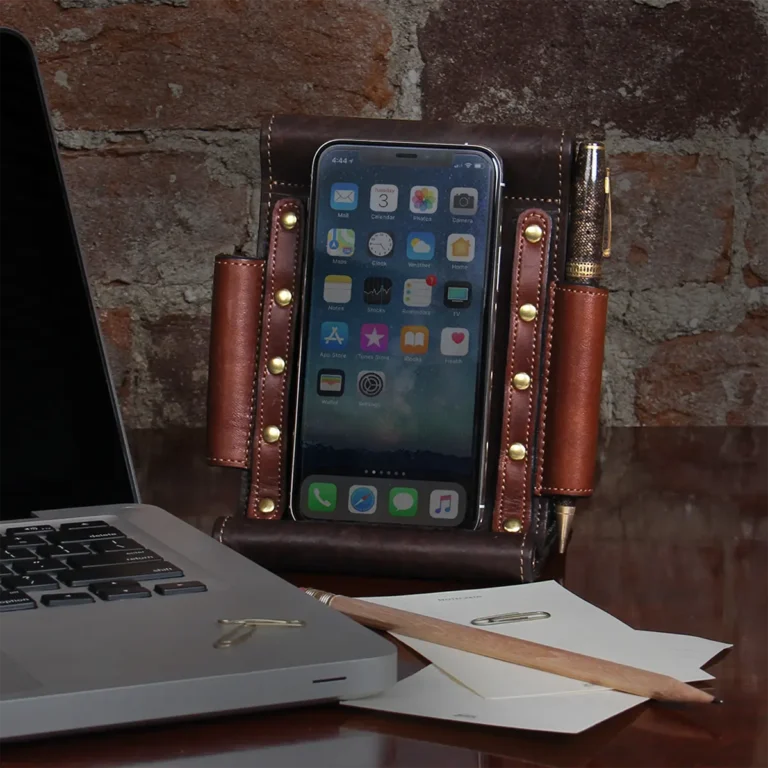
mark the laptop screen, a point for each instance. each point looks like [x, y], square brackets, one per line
[62, 442]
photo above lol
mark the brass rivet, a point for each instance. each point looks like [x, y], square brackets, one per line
[521, 381]
[276, 365]
[289, 220]
[266, 506]
[283, 297]
[271, 434]
[516, 452]
[512, 525]
[528, 312]
[533, 233]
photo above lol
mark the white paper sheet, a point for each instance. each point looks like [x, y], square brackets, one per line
[548, 705]
[430, 693]
[574, 625]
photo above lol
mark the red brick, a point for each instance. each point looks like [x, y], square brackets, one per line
[656, 72]
[214, 63]
[174, 388]
[117, 332]
[673, 220]
[152, 218]
[756, 241]
[710, 378]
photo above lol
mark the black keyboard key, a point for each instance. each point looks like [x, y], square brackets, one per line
[15, 600]
[180, 588]
[102, 584]
[78, 526]
[32, 582]
[62, 550]
[66, 598]
[16, 555]
[84, 535]
[114, 558]
[47, 565]
[122, 592]
[131, 572]
[116, 545]
[23, 540]
[19, 529]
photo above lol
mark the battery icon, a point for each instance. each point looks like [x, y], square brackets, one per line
[478, 165]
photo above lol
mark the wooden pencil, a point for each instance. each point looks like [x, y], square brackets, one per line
[482, 642]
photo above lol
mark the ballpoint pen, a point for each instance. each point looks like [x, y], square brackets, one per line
[589, 242]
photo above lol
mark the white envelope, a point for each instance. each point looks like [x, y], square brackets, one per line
[344, 196]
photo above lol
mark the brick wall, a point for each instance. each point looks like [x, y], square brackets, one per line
[157, 105]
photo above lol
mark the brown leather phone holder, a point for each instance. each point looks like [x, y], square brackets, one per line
[547, 367]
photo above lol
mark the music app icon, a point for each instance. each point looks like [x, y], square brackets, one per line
[444, 504]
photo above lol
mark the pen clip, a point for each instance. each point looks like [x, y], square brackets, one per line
[608, 227]
[510, 618]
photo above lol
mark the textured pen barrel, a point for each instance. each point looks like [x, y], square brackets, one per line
[576, 666]
[587, 226]
[584, 264]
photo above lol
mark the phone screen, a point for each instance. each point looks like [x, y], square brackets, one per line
[396, 328]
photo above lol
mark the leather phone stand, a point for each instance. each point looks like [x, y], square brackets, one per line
[547, 366]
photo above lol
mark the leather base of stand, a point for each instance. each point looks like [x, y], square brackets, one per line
[366, 550]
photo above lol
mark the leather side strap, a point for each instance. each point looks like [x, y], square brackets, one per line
[521, 381]
[235, 321]
[268, 456]
[570, 451]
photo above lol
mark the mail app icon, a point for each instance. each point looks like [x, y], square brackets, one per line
[344, 196]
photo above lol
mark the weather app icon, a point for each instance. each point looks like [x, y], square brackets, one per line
[421, 246]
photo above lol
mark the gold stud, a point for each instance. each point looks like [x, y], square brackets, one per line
[533, 233]
[271, 434]
[516, 452]
[276, 365]
[521, 381]
[283, 297]
[528, 312]
[289, 220]
[512, 525]
[266, 506]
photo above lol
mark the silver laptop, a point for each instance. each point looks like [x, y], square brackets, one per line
[113, 612]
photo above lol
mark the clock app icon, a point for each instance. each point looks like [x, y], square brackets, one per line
[380, 244]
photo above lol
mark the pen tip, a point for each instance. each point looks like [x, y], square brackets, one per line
[717, 701]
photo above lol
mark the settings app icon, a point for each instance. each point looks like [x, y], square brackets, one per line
[370, 383]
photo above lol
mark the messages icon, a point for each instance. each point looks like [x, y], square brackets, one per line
[403, 502]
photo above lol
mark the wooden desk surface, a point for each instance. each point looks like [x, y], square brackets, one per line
[674, 540]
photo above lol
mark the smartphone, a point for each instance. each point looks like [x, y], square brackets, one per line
[396, 334]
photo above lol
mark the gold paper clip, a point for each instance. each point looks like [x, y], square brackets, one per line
[509, 618]
[244, 628]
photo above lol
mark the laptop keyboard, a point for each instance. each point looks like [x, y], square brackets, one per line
[91, 556]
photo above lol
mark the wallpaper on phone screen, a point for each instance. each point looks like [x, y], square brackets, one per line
[395, 332]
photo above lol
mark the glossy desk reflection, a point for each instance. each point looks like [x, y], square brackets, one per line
[675, 539]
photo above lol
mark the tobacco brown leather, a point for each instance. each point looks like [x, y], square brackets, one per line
[574, 397]
[371, 550]
[235, 323]
[269, 459]
[529, 285]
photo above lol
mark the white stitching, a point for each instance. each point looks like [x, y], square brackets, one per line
[545, 386]
[269, 162]
[236, 462]
[276, 183]
[284, 378]
[536, 199]
[265, 351]
[241, 262]
[568, 490]
[588, 291]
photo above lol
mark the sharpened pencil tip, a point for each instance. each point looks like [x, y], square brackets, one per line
[717, 701]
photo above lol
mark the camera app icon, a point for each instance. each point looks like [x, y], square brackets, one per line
[463, 201]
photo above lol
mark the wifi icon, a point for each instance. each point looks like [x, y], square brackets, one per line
[467, 165]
